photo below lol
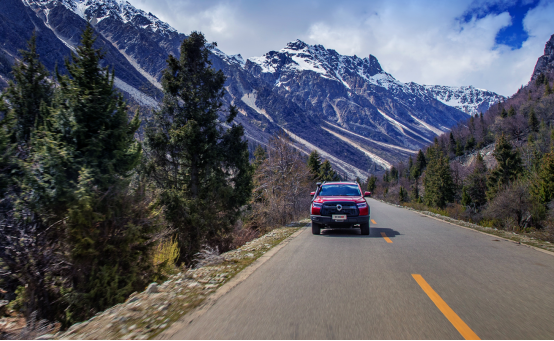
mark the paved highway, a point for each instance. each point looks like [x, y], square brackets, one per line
[414, 277]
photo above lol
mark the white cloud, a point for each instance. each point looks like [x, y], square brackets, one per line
[423, 41]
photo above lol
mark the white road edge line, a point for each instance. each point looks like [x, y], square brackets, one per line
[225, 288]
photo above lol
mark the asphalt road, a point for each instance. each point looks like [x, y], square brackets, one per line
[341, 285]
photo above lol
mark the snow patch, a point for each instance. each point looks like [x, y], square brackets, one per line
[388, 145]
[250, 100]
[346, 167]
[139, 96]
[400, 126]
[378, 160]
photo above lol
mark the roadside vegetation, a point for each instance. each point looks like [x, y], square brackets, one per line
[495, 170]
[92, 211]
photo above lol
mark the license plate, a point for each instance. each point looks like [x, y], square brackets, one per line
[339, 216]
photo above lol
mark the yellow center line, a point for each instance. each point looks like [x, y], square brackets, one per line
[384, 235]
[456, 321]
[373, 222]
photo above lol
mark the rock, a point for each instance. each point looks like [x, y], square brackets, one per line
[45, 337]
[152, 288]
[194, 285]
[133, 299]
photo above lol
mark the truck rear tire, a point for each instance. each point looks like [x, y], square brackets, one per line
[316, 228]
[364, 229]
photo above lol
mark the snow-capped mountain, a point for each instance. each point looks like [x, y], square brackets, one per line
[348, 108]
[465, 98]
[98, 10]
[299, 56]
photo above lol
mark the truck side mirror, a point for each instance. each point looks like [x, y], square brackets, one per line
[312, 194]
[367, 194]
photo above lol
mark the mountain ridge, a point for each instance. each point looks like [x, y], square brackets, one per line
[347, 107]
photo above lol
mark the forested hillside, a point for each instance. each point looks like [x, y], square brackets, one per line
[495, 169]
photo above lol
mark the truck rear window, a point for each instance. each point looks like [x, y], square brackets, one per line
[333, 190]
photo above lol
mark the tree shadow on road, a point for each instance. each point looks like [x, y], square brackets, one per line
[375, 232]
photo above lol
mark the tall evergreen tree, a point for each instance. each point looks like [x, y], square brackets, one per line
[508, 168]
[452, 144]
[533, 122]
[394, 173]
[6, 149]
[260, 155]
[542, 187]
[466, 200]
[386, 176]
[402, 194]
[476, 183]
[29, 92]
[511, 111]
[326, 172]
[419, 165]
[314, 164]
[371, 183]
[201, 168]
[439, 186]
[79, 173]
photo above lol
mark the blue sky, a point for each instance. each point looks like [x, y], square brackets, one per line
[513, 35]
[490, 44]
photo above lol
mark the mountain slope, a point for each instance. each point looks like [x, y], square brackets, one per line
[357, 115]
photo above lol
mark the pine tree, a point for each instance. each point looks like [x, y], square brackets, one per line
[543, 186]
[314, 164]
[260, 155]
[201, 168]
[7, 162]
[512, 111]
[415, 191]
[394, 174]
[79, 172]
[466, 199]
[371, 183]
[386, 176]
[476, 183]
[326, 172]
[533, 122]
[402, 194]
[419, 165]
[508, 168]
[453, 143]
[459, 148]
[503, 113]
[470, 144]
[439, 186]
[29, 93]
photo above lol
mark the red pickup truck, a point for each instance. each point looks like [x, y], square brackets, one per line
[339, 205]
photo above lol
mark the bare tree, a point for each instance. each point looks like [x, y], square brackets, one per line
[283, 184]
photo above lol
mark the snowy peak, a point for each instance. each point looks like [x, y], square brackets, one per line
[99, 10]
[298, 56]
[468, 99]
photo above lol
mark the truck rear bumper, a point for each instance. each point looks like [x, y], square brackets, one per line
[326, 220]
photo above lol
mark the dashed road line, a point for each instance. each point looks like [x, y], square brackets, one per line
[387, 239]
[373, 222]
[456, 321]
